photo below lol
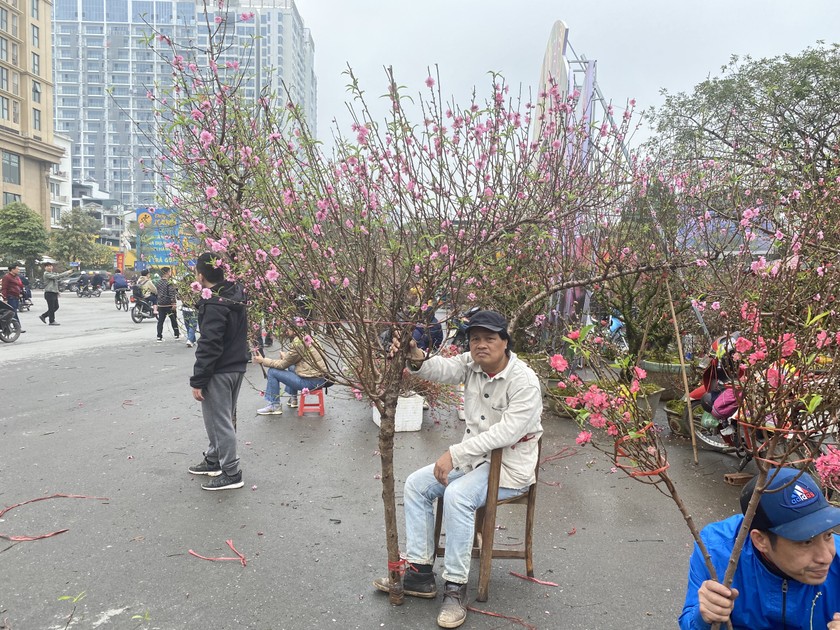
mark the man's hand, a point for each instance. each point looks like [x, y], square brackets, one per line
[197, 394]
[258, 358]
[717, 601]
[443, 466]
[834, 624]
[414, 353]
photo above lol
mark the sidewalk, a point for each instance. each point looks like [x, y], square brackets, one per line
[309, 521]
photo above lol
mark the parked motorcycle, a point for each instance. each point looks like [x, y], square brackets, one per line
[25, 300]
[717, 414]
[9, 326]
[457, 334]
[142, 308]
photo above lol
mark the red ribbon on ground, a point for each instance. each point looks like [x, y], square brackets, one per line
[239, 557]
[515, 620]
[50, 534]
[530, 579]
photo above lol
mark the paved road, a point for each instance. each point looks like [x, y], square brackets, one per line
[95, 407]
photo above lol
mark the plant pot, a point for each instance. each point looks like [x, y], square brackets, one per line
[409, 416]
[668, 376]
[648, 403]
[674, 410]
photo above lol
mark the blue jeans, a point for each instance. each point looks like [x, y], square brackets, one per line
[15, 304]
[465, 493]
[190, 323]
[291, 380]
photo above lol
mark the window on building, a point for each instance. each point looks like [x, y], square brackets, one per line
[4, 79]
[55, 215]
[4, 49]
[36, 36]
[15, 83]
[14, 24]
[117, 10]
[15, 58]
[36, 63]
[36, 91]
[10, 198]
[16, 112]
[36, 9]
[163, 12]
[11, 168]
[36, 119]
[4, 108]
[93, 10]
[4, 20]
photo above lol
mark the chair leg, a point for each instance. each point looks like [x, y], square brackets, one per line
[438, 526]
[488, 531]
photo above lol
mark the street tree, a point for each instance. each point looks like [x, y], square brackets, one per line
[74, 240]
[462, 204]
[758, 115]
[22, 235]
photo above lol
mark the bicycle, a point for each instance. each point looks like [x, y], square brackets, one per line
[121, 299]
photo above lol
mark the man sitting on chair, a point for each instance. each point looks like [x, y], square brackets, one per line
[503, 405]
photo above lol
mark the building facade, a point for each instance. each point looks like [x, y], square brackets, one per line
[104, 69]
[26, 104]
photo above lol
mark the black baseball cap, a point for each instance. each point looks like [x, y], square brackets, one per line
[491, 320]
[798, 512]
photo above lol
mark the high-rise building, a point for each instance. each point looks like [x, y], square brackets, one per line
[104, 69]
[26, 104]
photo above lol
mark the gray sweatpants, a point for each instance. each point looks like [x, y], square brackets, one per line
[219, 411]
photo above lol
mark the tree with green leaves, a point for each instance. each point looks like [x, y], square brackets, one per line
[778, 113]
[22, 235]
[75, 240]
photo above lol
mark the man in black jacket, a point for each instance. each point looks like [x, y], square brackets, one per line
[220, 362]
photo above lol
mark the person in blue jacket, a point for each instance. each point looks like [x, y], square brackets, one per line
[788, 575]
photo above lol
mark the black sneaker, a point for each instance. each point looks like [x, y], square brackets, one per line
[43, 318]
[415, 584]
[206, 468]
[224, 482]
[54, 324]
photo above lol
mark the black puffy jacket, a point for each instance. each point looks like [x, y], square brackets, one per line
[223, 345]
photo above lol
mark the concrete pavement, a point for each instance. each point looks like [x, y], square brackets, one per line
[95, 407]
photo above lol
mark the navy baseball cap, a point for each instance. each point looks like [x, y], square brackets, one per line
[798, 512]
[491, 320]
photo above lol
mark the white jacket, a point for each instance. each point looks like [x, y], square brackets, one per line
[503, 411]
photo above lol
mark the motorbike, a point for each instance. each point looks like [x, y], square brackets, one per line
[717, 415]
[88, 291]
[457, 334]
[9, 325]
[142, 308]
[25, 300]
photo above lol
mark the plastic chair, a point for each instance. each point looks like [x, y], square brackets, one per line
[485, 525]
[305, 406]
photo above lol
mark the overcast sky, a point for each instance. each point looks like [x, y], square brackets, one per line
[640, 46]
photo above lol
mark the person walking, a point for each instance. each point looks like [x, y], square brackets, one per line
[221, 359]
[167, 303]
[190, 319]
[51, 292]
[11, 288]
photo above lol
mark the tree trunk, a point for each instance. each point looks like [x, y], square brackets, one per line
[386, 455]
